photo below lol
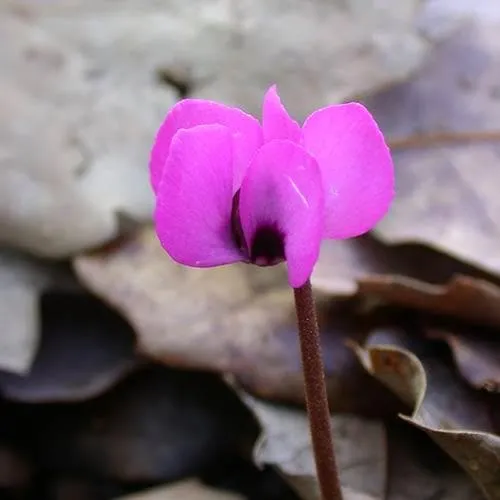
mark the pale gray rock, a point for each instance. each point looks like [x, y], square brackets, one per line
[317, 51]
[73, 146]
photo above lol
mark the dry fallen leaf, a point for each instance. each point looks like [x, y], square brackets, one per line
[238, 319]
[343, 263]
[417, 470]
[476, 355]
[155, 425]
[462, 297]
[447, 195]
[285, 443]
[189, 489]
[84, 350]
[453, 415]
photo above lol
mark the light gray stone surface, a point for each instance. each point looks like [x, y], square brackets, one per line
[73, 143]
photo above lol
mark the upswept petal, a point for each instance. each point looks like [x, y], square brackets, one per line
[276, 122]
[282, 189]
[246, 131]
[194, 198]
[356, 166]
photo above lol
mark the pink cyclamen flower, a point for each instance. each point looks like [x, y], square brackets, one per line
[231, 189]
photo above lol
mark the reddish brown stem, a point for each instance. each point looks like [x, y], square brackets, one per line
[316, 396]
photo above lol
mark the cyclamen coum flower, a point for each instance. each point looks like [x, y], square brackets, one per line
[230, 189]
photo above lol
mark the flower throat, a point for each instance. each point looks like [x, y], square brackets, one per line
[267, 245]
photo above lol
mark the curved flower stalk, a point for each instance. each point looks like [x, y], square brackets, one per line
[230, 189]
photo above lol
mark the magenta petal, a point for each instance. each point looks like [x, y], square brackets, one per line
[282, 190]
[356, 166]
[246, 131]
[194, 198]
[276, 122]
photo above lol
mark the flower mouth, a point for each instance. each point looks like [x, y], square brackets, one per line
[267, 246]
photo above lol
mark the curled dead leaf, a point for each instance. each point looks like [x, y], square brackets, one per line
[454, 416]
[417, 470]
[344, 263]
[463, 297]
[477, 357]
[477, 452]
